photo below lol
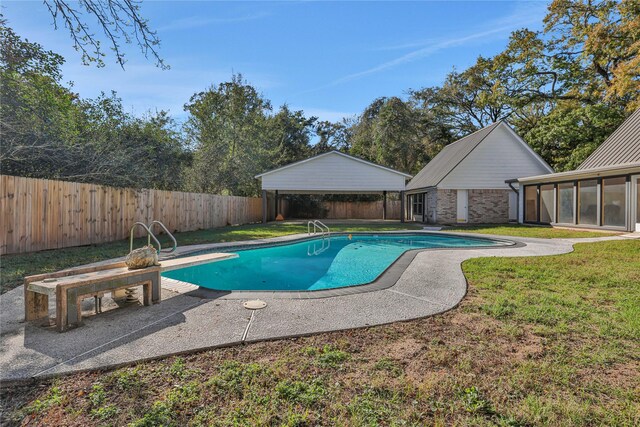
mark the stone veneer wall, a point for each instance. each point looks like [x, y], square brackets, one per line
[488, 206]
[447, 206]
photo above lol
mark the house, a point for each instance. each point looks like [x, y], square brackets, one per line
[465, 182]
[332, 173]
[601, 193]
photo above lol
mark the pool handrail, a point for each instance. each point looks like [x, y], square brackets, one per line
[150, 236]
[167, 232]
[317, 224]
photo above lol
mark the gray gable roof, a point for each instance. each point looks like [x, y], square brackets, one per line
[622, 146]
[447, 159]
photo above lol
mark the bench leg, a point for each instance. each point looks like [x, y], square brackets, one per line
[147, 292]
[155, 284]
[36, 306]
[74, 308]
[61, 310]
[68, 309]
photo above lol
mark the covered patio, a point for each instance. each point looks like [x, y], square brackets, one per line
[332, 173]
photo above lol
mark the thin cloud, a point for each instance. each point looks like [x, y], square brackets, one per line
[192, 22]
[423, 52]
[522, 16]
[404, 46]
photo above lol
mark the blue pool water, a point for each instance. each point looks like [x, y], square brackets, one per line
[313, 265]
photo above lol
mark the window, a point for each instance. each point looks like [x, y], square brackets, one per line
[565, 203]
[588, 202]
[614, 198]
[546, 203]
[531, 203]
[417, 204]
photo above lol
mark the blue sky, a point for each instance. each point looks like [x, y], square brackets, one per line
[330, 59]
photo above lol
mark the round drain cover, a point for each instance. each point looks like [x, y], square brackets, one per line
[255, 304]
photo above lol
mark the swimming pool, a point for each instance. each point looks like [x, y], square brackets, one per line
[317, 264]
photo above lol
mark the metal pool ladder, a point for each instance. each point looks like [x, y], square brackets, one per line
[131, 292]
[318, 225]
[150, 236]
[326, 237]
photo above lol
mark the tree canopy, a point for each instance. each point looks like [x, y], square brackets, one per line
[564, 89]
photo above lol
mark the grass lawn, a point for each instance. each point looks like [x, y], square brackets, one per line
[544, 232]
[537, 341]
[13, 268]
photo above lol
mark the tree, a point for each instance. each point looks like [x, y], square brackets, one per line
[50, 132]
[588, 52]
[333, 136]
[119, 20]
[289, 136]
[363, 131]
[570, 132]
[36, 112]
[389, 132]
[581, 72]
[601, 41]
[577, 77]
[226, 125]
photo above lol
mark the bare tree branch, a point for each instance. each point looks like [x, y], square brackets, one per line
[120, 22]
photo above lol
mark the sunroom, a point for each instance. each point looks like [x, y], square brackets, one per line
[597, 198]
[601, 193]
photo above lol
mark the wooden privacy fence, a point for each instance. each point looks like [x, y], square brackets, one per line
[361, 210]
[42, 214]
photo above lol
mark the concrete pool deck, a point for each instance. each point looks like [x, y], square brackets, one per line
[431, 283]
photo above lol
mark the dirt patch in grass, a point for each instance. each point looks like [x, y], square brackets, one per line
[619, 374]
[430, 364]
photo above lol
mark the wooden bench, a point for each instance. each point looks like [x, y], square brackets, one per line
[71, 286]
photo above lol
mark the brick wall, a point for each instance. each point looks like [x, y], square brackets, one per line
[447, 206]
[488, 206]
[485, 206]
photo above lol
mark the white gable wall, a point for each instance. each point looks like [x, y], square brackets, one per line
[499, 157]
[333, 172]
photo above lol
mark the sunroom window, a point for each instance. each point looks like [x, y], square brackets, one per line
[565, 203]
[614, 198]
[546, 203]
[531, 203]
[588, 202]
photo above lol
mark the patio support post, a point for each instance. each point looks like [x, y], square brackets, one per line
[403, 214]
[384, 205]
[264, 206]
[276, 203]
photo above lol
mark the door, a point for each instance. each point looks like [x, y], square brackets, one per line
[463, 208]
[635, 195]
[513, 206]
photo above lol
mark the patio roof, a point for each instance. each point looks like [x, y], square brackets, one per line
[333, 172]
